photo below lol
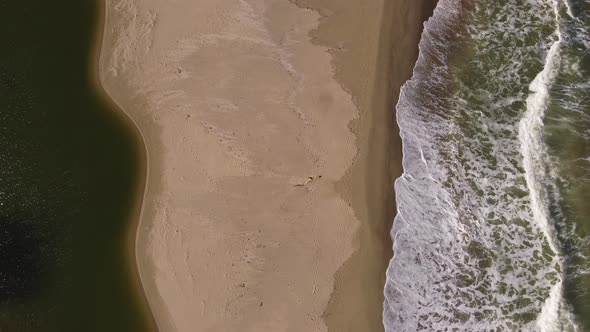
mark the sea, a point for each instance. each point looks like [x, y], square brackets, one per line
[493, 225]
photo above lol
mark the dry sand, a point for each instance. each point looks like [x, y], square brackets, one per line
[271, 150]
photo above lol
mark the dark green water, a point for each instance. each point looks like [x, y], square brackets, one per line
[69, 172]
[567, 135]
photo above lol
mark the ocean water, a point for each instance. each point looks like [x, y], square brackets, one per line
[493, 224]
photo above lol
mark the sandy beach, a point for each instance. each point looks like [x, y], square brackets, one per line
[271, 155]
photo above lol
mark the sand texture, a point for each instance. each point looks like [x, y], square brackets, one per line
[271, 149]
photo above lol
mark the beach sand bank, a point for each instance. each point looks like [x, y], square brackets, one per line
[272, 151]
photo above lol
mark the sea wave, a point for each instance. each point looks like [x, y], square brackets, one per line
[475, 241]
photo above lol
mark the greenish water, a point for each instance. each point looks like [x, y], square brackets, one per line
[567, 135]
[493, 224]
[69, 176]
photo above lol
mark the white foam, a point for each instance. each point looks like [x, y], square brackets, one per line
[531, 139]
[455, 207]
[548, 321]
[533, 150]
[555, 316]
[568, 8]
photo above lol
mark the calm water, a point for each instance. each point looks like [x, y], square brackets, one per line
[69, 173]
[493, 229]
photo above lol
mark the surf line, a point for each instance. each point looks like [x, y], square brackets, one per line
[554, 315]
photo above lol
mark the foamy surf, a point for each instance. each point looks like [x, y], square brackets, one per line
[553, 317]
[479, 236]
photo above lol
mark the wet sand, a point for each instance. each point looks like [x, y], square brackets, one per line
[272, 151]
[376, 58]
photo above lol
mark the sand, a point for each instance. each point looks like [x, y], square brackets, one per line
[271, 155]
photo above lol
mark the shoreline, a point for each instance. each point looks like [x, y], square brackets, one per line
[379, 147]
[153, 304]
[342, 311]
[136, 210]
